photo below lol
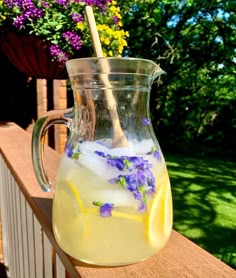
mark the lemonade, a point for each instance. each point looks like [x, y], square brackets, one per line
[112, 203]
[112, 206]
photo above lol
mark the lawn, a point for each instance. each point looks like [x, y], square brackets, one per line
[204, 199]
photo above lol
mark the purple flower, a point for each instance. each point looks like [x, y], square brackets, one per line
[142, 207]
[105, 209]
[142, 185]
[111, 161]
[27, 4]
[102, 4]
[58, 54]
[30, 12]
[45, 4]
[69, 152]
[19, 22]
[33, 14]
[151, 182]
[77, 17]
[138, 162]
[145, 121]
[141, 176]
[155, 153]
[97, 2]
[12, 3]
[140, 182]
[102, 154]
[116, 162]
[131, 181]
[62, 2]
[137, 195]
[116, 19]
[73, 39]
[73, 151]
[123, 163]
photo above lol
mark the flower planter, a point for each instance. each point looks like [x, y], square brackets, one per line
[31, 56]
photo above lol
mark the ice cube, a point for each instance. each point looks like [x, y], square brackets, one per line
[118, 197]
[144, 146]
[96, 163]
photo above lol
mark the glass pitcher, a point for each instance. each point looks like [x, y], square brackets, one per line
[112, 203]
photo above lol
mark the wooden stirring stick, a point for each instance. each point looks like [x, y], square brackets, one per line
[93, 31]
[119, 139]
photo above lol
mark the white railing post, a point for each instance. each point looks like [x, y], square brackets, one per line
[4, 218]
[48, 257]
[27, 251]
[24, 235]
[60, 269]
[38, 241]
[30, 241]
[19, 233]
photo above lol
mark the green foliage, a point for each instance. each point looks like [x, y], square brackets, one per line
[63, 24]
[194, 42]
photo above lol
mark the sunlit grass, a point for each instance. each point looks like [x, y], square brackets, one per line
[204, 198]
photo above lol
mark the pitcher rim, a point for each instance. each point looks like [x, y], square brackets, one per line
[157, 70]
[112, 58]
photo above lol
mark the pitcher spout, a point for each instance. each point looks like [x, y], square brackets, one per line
[157, 72]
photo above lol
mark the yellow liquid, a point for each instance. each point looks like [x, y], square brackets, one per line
[127, 236]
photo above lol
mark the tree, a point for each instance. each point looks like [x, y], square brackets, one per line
[194, 42]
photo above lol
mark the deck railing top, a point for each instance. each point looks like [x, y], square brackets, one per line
[180, 258]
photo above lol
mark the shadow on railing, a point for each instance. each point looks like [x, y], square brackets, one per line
[3, 273]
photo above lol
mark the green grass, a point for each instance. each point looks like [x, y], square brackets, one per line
[204, 199]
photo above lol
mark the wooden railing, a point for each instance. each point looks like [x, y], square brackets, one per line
[30, 249]
[27, 249]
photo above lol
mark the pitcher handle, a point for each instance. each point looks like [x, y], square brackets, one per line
[38, 140]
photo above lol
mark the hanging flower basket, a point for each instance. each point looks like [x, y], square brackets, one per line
[31, 56]
[43, 35]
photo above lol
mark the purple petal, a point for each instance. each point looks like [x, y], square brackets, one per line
[145, 121]
[141, 177]
[156, 154]
[131, 182]
[137, 195]
[120, 164]
[141, 207]
[102, 154]
[105, 210]
[112, 181]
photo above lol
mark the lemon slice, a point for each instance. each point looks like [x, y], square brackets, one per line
[75, 193]
[159, 219]
[153, 219]
[85, 211]
[132, 217]
[72, 208]
[168, 212]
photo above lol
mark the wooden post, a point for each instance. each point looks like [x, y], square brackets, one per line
[52, 95]
[60, 102]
